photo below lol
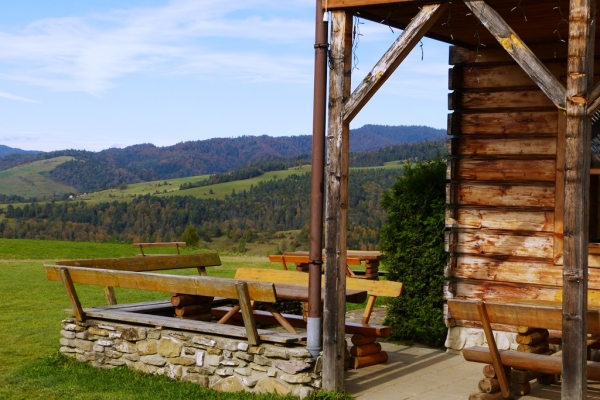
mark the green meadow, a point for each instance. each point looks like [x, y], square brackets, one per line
[30, 180]
[32, 367]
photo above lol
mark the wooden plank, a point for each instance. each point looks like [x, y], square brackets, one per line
[385, 67]
[109, 292]
[503, 195]
[192, 325]
[146, 306]
[507, 170]
[504, 146]
[519, 51]
[576, 206]
[66, 279]
[336, 175]
[247, 314]
[339, 4]
[195, 285]
[303, 259]
[492, 291]
[300, 293]
[500, 123]
[514, 99]
[559, 195]
[282, 321]
[154, 245]
[495, 218]
[515, 244]
[155, 263]
[461, 55]
[351, 328]
[375, 288]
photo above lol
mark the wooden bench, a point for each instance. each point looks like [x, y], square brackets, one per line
[302, 261]
[141, 246]
[155, 263]
[244, 292]
[530, 314]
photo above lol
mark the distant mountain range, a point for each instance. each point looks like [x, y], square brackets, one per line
[145, 162]
[5, 150]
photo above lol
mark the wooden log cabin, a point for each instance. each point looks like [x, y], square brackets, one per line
[523, 219]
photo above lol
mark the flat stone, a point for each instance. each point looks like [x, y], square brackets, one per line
[214, 352]
[146, 347]
[230, 363]
[67, 342]
[82, 335]
[132, 357]
[213, 360]
[133, 334]
[250, 382]
[114, 335]
[204, 341]
[94, 330]
[304, 392]
[318, 365]
[270, 385]
[126, 347]
[244, 356]
[154, 359]
[84, 345]
[276, 353]
[107, 327]
[105, 343]
[224, 371]
[182, 361]
[198, 379]
[66, 350]
[242, 346]
[298, 378]
[256, 350]
[169, 347]
[98, 349]
[259, 368]
[317, 383]
[201, 371]
[243, 371]
[173, 371]
[225, 344]
[73, 327]
[112, 354]
[67, 334]
[290, 367]
[231, 384]
[299, 353]
[189, 351]
[117, 363]
[260, 360]
[153, 334]
[272, 372]
[200, 358]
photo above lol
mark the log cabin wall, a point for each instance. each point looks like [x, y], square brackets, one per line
[504, 193]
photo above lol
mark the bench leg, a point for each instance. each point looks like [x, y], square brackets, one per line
[65, 277]
[280, 318]
[111, 299]
[229, 314]
[368, 309]
[247, 313]
[496, 361]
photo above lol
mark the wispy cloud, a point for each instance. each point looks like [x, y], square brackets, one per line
[89, 53]
[10, 96]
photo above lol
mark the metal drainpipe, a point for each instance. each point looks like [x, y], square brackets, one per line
[314, 321]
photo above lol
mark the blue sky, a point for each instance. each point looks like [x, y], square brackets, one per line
[91, 75]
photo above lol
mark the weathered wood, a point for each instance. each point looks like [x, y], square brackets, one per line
[507, 170]
[498, 218]
[529, 244]
[368, 309]
[191, 325]
[280, 318]
[496, 361]
[492, 291]
[515, 99]
[494, 146]
[359, 340]
[191, 310]
[373, 359]
[503, 195]
[519, 51]
[576, 208]
[109, 292]
[489, 385]
[155, 263]
[538, 348]
[461, 55]
[539, 335]
[303, 259]
[365, 350]
[154, 245]
[490, 372]
[559, 195]
[593, 99]
[247, 313]
[504, 76]
[336, 175]
[67, 281]
[501, 123]
[229, 314]
[351, 328]
[195, 285]
[414, 32]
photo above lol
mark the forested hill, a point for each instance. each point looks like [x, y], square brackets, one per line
[5, 150]
[145, 162]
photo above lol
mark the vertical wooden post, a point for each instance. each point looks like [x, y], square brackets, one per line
[580, 70]
[336, 203]
[111, 299]
[65, 277]
[247, 313]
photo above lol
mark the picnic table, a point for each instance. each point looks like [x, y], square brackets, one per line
[354, 257]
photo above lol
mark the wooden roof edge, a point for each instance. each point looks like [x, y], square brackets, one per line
[342, 4]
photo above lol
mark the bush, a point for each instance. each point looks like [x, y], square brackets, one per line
[413, 241]
[190, 236]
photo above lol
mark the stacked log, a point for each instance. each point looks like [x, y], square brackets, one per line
[372, 270]
[192, 307]
[366, 351]
[530, 340]
[489, 387]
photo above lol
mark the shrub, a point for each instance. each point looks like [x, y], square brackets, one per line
[190, 236]
[413, 241]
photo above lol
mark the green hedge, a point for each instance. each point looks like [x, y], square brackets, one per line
[413, 241]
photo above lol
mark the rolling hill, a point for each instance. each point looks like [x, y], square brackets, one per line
[5, 150]
[32, 180]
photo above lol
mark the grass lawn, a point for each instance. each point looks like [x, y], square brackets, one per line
[31, 366]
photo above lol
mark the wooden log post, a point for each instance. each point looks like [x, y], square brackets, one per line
[336, 204]
[576, 206]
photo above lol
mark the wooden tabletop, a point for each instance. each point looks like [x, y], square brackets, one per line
[300, 293]
[360, 254]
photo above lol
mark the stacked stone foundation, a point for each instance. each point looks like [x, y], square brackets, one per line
[216, 362]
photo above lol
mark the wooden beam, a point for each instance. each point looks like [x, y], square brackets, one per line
[247, 313]
[109, 292]
[336, 175]
[414, 32]
[336, 4]
[496, 361]
[593, 100]
[154, 263]
[65, 277]
[576, 206]
[511, 42]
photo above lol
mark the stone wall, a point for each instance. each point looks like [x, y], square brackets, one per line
[222, 364]
[460, 337]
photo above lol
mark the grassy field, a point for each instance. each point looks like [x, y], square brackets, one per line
[28, 180]
[31, 366]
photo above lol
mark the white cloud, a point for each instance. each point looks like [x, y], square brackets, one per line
[88, 53]
[10, 96]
